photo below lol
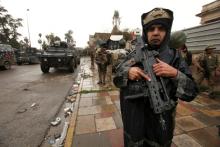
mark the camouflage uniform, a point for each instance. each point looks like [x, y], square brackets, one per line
[109, 68]
[101, 61]
[186, 55]
[92, 56]
[206, 66]
[178, 41]
[142, 127]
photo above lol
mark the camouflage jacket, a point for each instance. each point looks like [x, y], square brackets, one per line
[183, 86]
[101, 56]
[210, 60]
[187, 56]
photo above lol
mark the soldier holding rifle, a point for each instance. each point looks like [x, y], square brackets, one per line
[151, 80]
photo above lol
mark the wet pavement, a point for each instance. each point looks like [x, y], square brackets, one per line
[29, 101]
[97, 120]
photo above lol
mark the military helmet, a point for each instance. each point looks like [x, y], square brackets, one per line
[210, 47]
[177, 39]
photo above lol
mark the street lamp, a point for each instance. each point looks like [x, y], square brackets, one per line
[28, 28]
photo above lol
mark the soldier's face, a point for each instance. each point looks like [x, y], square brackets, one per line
[209, 51]
[156, 34]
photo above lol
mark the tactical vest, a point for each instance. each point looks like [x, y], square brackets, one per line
[211, 61]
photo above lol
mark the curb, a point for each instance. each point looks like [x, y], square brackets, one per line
[72, 124]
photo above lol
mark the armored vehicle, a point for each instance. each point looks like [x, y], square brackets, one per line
[21, 56]
[59, 55]
[33, 55]
[29, 55]
[7, 57]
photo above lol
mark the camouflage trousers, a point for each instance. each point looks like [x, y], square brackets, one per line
[92, 60]
[211, 83]
[142, 127]
[102, 73]
[109, 74]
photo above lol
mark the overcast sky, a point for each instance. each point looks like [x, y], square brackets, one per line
[86, 17]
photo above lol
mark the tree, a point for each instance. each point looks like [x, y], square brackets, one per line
[40, 40]
[51, 39]
[40, 35]
[8, 28]
[23, 45]
[69, 38]
[44, 45]
[26, 42]
[3, 29]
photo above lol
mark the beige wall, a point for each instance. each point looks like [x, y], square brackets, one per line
[210, 12]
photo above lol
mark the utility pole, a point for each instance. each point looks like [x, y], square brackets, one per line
[28, 28]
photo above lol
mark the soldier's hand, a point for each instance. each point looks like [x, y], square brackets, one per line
[163, 69]
[135, 73]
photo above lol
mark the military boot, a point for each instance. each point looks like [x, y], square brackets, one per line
[103, 79]
[100, 78]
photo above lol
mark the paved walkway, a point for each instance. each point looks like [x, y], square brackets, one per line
[97, 120]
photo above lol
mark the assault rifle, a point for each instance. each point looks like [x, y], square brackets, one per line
[155, 89]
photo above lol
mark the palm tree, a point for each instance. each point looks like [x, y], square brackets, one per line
[26, 40]
[51, 39]
[8, 28]
[15, 24]
[40, 35]
[40, 40]
[69, 38]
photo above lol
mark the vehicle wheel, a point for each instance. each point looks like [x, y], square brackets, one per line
[44, 68]
[72, 65]
[19, 63]
[7, 65]
[30, 62]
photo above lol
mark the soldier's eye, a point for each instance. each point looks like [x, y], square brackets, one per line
[151, 29]
[156, 27]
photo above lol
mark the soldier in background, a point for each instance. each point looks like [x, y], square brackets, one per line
[187, 55]
[178, 41]
[109, 68]
[92, 57]
[92, 53]
[101, 61]
[206, 64]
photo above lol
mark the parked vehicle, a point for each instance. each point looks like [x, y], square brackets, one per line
[59, 55]
[29, 55]
[7, 56]
[33, 55]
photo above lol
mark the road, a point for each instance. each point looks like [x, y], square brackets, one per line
[21, 87]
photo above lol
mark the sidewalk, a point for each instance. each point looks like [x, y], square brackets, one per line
[96, 120]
